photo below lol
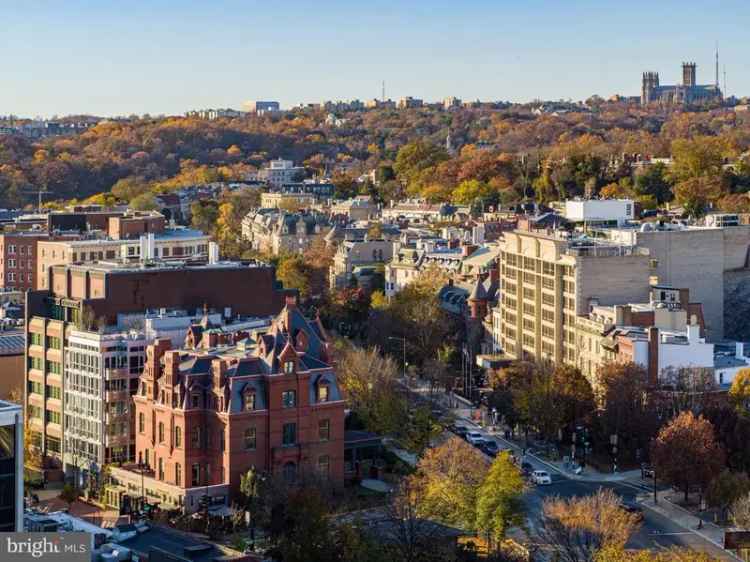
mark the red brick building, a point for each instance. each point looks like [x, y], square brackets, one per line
[204, 416]
[18, 261]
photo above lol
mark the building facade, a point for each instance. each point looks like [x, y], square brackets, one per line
[18, 261]
[208, 413]
[11, 467]
[85, 344]
[548, 280]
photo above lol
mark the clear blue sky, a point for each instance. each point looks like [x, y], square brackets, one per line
[157, 56]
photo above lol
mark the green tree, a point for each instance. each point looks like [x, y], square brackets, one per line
[653, 183]
[698, 193]
[698, 157]
[727, 488]
[203, 215]
[469, 191]
[144, 202]
[448, 479]
[414, 159]
[499, 505]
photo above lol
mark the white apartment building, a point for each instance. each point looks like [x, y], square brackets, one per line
[278, 172]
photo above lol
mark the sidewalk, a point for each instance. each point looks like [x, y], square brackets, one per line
[689, 521]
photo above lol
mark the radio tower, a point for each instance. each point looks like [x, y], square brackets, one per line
[717, 65]
[382, 92]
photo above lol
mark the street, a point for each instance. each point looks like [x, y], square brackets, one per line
[656, 531]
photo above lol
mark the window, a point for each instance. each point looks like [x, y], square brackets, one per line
[222, 440]
[54, 367]
[290, 434]
[195, 437]
[52, 417]
[52, 391]
[11, 248]
[289, 398]
[250, 439]
[34, 411]
[35, 339]
[161, 468]
[324, 465]
[323, 393]
[178, 474]
[249, 400]
[178, 437]
[194, 400]
[141, 423]
[324, 430]
[196, 474]
[289, 367]
[290, 472]
[161, 432]
[35, 387]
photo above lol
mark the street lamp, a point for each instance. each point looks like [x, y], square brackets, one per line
[404, 341]
[142, 467]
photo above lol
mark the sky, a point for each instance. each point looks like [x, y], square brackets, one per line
[166, 57]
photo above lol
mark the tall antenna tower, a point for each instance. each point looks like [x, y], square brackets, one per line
[725, 81]
[717, 65]
[382, 92]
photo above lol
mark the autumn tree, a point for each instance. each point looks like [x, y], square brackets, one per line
[369, 382]
[652, 183]
[698, 194]
[295, 273]
[740, 512]
[673, 554]
[579, 529]
[499, 505]
[739, 392]
[449, 477]
[626, 402]
[686, 454]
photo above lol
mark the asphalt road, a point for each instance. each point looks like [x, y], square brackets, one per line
[656, 532]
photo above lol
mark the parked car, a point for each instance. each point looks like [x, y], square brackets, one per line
[633, 508]
[491, 448]
[460, 431]
[526, 468]
[474, 437]
[541, 477]
[647, 470]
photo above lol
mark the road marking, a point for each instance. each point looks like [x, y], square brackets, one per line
[661, 534]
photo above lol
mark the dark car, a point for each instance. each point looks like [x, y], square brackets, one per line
[526, 468]
[633, 508]
[491, 448]
[460, 431]
[647, 470]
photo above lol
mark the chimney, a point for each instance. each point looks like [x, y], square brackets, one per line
[653, 355]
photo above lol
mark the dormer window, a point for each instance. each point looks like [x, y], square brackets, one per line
[249, 400]
[289, 367]
[195, 401]
[323, 395]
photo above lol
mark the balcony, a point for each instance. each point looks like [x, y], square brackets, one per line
[112, 417]
[116, 395]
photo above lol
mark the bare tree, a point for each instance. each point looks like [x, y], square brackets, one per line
[578, 529]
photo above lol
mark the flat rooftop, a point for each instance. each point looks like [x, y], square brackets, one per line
[114, 267]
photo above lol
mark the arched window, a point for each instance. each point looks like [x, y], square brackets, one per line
[250, 439]
[178, 437]
[178, 474]
[249, 399]
[141, 423]
[161, 432]
[290, 472]
[195, 437]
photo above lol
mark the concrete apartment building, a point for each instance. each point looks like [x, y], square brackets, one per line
[547, 280]
[206, 414]
[18, 251]
[170, 244]
[11, 467]
[711, 261]
[287, 201]
[86, 338]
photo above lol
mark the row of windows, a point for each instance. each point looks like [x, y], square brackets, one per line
[12, 263]
[11, 276]
[22, 250]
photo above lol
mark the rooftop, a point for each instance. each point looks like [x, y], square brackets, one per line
[115, 267]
